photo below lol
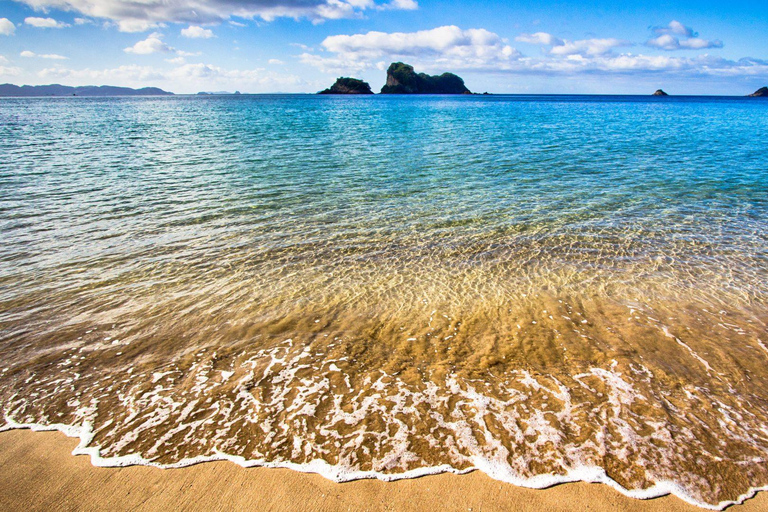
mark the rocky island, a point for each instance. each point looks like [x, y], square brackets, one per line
[660, 93]
[346, 85]
[760, 93]
[402, 79]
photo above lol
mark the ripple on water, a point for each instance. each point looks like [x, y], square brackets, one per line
[393, 287]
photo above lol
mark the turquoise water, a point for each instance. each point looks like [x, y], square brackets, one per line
[603, 259]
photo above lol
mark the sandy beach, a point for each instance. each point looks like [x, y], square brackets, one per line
[38, 472]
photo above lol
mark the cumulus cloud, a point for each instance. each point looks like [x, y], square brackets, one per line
[7, 28]
[453, 49]
[152, 44]
[445, 47]
[677, 36]
[52, 56]
[197, 32]
[540, 38]
[671, 43]
[588, 46]
[137, 16]
[564, 47]
[132, 25]
[45, 23]
[276, 62]
[675, 28]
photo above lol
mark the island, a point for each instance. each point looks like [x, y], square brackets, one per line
[402, 79]
[660, 92]
[16, 91]
[346, 85]
[760, 93]
[218, 93]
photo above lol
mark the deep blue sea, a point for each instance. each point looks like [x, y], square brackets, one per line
[544, 288]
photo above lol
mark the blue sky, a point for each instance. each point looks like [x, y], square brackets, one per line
[186, 46]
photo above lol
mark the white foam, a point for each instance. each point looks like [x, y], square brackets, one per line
[295, 393]
[591, 474]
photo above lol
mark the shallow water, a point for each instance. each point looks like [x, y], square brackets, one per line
[538, 287]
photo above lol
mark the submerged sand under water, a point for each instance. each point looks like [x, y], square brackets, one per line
[535, 299]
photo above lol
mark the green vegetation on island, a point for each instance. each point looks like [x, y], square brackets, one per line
[346, 85]
[402, 79]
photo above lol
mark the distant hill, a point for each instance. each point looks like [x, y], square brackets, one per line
[88, 90]
[402, 79]
[760, 93]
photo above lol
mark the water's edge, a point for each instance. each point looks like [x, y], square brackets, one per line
[587, 474]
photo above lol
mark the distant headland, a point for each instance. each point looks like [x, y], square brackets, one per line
[760, 93]
[88, 90]
[402, 79]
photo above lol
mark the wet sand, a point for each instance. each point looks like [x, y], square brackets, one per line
[38, 472]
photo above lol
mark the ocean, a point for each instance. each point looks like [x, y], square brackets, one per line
[542, 288]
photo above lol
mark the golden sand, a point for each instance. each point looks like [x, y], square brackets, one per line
[37, 472]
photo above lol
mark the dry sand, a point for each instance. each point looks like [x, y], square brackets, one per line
[38, 472]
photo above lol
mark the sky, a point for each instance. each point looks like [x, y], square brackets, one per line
[269, 46]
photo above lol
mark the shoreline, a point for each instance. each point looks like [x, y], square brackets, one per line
[38, 471]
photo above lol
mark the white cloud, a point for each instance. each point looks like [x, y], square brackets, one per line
[675, 28]
[133, 25]
[207, 75]
[670, 43]
[453, 49]
[120, 75]
[197, 32]
[45, 23]
[563, 47]
[276, 62]
[137, 16]
[404, 5]
[152, 44]
[177, 60]
[84, 21]
[8, 71]
[588, 46]
[52, 56]
[7, 28]
[447, 47]
[677, 36]
[541, 38]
